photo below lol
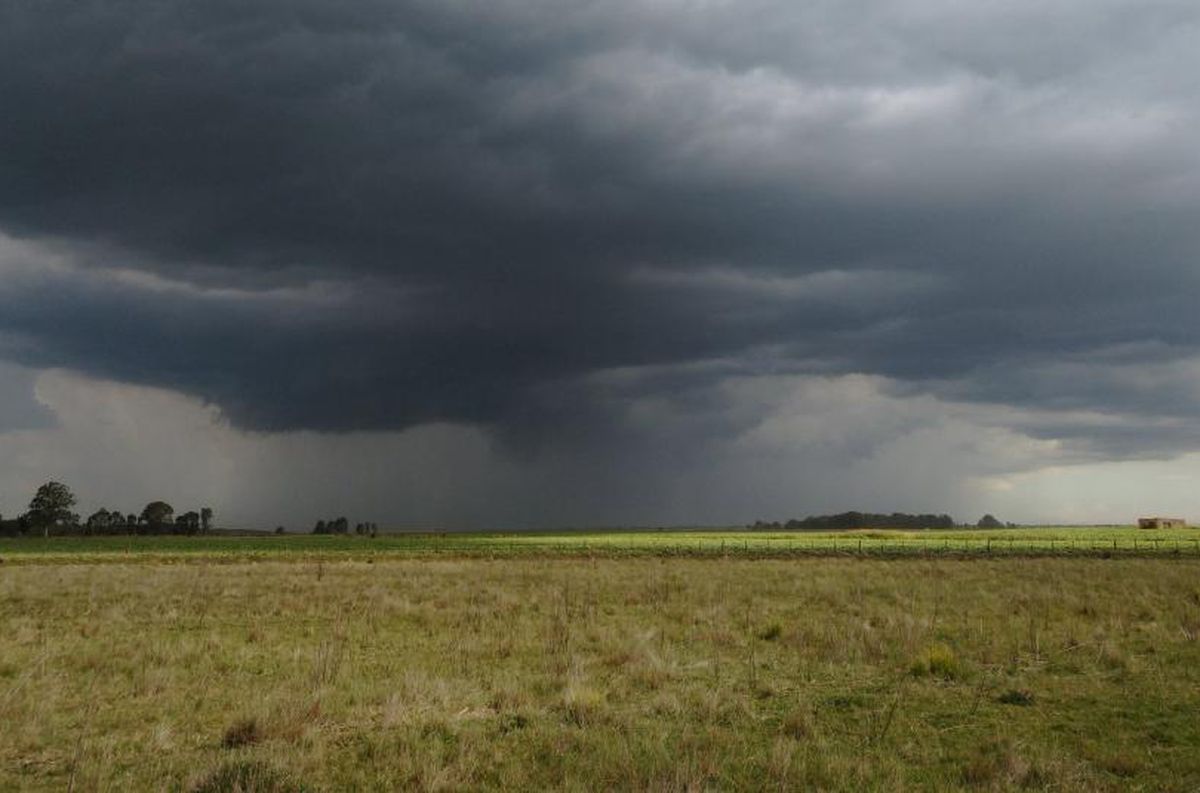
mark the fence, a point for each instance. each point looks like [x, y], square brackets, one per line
[824, 546]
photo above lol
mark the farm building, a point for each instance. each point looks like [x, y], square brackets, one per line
[1161, 523]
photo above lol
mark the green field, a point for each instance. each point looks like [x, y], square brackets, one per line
[646, 672]
[730, 542]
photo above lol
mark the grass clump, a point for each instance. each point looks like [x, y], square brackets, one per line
[939, 661]
[1021, 697]
[1120, 763]
[771, 632]
[582, 704]
[243, 732]
[997, 763]
[798, 724]
[246, 776]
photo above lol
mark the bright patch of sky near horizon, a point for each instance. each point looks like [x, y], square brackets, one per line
[126, 445]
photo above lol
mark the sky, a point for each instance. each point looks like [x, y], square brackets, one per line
[533, 263]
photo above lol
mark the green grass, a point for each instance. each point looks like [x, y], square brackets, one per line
[638, 673]
[730, 542]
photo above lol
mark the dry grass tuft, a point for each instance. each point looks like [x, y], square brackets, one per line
[1016, 696]
[243, 732]
[996, 763]
[1119, 763]
[246, 776]
[582, 704]
[939, 661]
[798, 724]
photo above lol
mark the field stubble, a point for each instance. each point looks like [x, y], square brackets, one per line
[641, 673]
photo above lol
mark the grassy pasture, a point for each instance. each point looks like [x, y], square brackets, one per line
[730, 542]
[637, 673]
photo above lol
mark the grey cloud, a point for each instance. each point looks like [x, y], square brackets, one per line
[377, 215]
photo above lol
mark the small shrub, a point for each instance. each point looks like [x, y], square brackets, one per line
[1016, 696]
[243, 732]
[246, 777]
[771, 632]
[937, 661]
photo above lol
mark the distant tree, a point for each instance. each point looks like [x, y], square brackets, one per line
[320, 528]
[188, 522]
[157, 514]
[51, 506]
[280, 530]
[865, 520]
[341, 526]
[99, 521]
[989, 522]
[118, 521]
[206, 516]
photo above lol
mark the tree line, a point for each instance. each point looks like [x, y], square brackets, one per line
[861, 520]
[342, 526]
[51, 511]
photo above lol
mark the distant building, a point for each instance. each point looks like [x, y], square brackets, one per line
[1161, 523]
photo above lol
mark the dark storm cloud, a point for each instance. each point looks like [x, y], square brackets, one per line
[370, 215]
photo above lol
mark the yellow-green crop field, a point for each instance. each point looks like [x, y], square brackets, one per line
[375, 671]
[1041, 541]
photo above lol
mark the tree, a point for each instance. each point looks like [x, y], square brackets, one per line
[206, 516]
[188, 522]
[98, 522]
[989, 522]
[51, 506]
[157, 514]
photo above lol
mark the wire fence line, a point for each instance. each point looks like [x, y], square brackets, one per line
[648, 545]
[907, 547]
